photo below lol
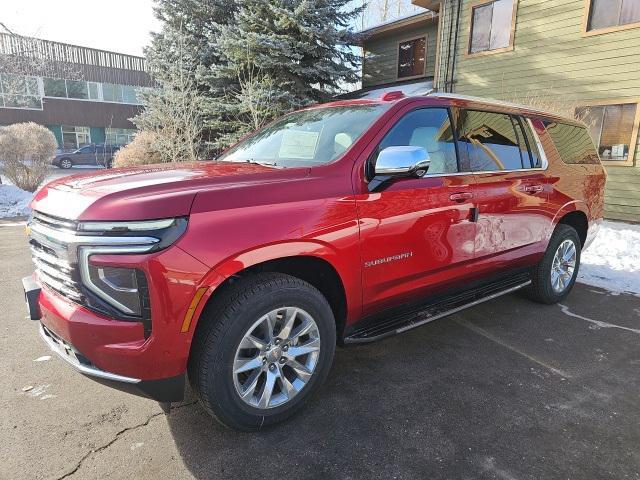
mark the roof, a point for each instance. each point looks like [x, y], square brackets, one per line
[398, 23]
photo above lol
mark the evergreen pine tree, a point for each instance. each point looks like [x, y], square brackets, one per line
[284, 54]
[180, 58]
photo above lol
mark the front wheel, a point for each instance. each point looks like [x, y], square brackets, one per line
[66, 163]
[267, 345]
[554, 277]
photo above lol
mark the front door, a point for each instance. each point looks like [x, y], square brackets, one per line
[417, 234]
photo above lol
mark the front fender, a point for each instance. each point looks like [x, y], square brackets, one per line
[247, 259]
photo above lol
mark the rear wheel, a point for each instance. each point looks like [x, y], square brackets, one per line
[267, 346]
[554, 277]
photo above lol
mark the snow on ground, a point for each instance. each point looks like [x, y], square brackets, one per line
[612, 261]
[14, 202]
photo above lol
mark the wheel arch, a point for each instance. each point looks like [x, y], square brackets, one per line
[576, 215]
[308, 266]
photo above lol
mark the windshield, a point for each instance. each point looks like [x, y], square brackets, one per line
[306, 138]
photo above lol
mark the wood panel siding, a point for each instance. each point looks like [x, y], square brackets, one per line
[74, 112]
[554, 66]
[380, 63]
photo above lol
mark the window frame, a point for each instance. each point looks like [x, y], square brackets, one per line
[635, 132]
[512, 34]
[426, 51]
[586, 18]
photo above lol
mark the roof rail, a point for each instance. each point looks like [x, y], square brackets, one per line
[470, 98]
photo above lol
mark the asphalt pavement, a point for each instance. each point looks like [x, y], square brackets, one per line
[505, 390]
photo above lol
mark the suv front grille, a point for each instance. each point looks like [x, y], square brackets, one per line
[54, 266]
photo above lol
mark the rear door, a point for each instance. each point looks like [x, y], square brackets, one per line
[417, 234]
[511, 188]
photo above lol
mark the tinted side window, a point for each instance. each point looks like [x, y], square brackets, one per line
[488, 142]
[573, 143]
[430, 129]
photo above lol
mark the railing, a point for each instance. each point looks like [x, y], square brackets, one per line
[65, 53]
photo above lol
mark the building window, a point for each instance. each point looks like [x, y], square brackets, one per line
[119, 136]
[54, 87]
[412, 58]
[613, 14]
[96, 91]
[614, 129]
[75, 137]
[492, 26]
[18, 91]
[112, 92]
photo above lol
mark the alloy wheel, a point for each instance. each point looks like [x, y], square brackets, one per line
[563, 266]
[276, 358]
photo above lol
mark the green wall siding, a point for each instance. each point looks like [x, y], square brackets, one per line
[554, 67]
[381, 53]
[57, 132]
[97, 134]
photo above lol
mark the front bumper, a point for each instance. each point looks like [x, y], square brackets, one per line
[162, 390]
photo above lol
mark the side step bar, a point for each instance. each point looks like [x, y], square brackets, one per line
[395, 321]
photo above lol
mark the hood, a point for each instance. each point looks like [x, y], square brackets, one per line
[149, 192]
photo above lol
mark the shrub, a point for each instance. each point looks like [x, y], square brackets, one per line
[141, 151]
[26, 150]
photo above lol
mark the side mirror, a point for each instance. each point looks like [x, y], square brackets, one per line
[403, 161]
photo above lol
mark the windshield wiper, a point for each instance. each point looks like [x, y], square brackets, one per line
[263, 163]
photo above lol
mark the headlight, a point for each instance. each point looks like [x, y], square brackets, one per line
[119, 286]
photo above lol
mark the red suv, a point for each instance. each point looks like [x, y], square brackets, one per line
[337, 224]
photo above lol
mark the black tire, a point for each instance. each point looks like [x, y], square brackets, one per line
[66, 163]
[221, 329]
[541, 289]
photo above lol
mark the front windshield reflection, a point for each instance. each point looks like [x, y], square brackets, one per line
[306, 138]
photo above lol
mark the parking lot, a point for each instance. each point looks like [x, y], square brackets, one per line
[506, 390]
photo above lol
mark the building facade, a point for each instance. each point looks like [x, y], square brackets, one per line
[84, 96]
[579, 57]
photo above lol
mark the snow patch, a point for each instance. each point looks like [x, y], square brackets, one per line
[44, 358]
[612, 261]
[14, 202]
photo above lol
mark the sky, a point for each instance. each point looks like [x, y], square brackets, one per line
[122, 26]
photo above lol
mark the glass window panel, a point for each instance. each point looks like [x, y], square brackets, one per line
[411, 57]
[32, 86]
[54, 88]
[111, 92]
[593, 117]
[617, 130]
[430, 129]
[129, 94]
[604, 13]
[489, 141]
[481, 28]
[77, 89]
[573, 143]
[501, 24]
[93, 90]
[15, 84]
[630, 12]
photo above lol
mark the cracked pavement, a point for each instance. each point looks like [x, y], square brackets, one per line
[505, 390]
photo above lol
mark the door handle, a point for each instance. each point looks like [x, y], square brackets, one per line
[460, 196]
[533, 188]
